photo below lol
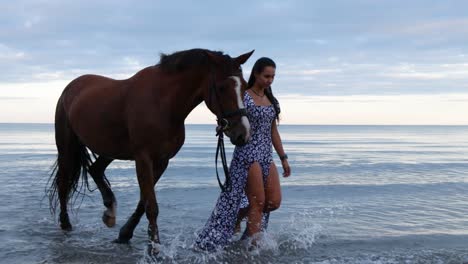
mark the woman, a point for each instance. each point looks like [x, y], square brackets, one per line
[252, 168]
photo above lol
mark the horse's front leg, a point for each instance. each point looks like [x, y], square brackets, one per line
[146, 180]
[126, 232]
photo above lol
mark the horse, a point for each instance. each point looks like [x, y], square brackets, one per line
[141, 119]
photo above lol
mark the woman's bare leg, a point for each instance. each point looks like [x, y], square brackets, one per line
[272, 190]
[256, 197]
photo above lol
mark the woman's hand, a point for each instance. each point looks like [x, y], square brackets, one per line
[286, 168]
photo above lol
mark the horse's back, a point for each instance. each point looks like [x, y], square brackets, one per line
[88, 83]
[117, 118]
[95, 108]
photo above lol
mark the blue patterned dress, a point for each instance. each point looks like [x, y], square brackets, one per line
[219, 228]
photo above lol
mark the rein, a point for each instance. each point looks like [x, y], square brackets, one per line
[221, 151]
[223, 125]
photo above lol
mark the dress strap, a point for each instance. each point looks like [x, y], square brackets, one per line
[248, 100]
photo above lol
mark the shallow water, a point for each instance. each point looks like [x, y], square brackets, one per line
[358, 194]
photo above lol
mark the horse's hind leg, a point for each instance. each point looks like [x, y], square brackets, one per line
[71, 158]
[126, 232]
[97, 173]
[63, 177]
[63, 192]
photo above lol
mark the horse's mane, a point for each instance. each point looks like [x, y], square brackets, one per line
[186, 59]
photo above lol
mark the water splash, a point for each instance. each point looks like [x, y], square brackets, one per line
[300, 231]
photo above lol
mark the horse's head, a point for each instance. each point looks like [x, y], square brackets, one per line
[225, 96]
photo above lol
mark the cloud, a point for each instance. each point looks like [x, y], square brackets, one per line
[31, 22]
[429, 27]
[448, 109]
[348, 78]
[311, 72]
[313, 41]
[10, 98]
[443, 109]
[454, 71]
[332, 48]
[10, 55]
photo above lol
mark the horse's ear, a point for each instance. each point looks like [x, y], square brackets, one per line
[244, 57]
[217, 59]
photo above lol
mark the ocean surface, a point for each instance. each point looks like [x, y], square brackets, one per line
[357, 194]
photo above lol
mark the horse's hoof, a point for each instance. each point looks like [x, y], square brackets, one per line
[65, 222]
[66, 226]
[121, 241]
[109, 221]
[153, 249]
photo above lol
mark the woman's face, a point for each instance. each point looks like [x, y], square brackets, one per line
[266, 77]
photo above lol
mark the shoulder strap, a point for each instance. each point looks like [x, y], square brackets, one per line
[248, 100]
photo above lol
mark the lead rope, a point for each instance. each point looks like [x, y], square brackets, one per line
[221, 151]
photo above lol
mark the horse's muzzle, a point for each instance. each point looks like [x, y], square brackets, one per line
[239, 136]
[240, 140]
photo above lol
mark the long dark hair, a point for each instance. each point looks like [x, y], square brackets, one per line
[258, 67]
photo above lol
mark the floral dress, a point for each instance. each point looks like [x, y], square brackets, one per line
[219, 228]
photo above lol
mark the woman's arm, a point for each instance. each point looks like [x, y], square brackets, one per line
[278, 145]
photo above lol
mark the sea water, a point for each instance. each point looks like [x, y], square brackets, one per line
[357, 194]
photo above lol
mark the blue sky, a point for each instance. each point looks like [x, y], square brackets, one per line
[338, 62]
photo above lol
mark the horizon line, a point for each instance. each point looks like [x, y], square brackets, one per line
[213, 124]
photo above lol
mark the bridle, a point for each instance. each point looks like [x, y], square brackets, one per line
[223, 125]
[222, 118]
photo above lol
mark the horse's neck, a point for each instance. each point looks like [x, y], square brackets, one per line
[187, 95]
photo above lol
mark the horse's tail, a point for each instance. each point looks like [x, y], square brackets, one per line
[73, 160]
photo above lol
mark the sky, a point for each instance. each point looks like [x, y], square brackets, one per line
[369, 62]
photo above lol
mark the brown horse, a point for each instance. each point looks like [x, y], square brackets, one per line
[142, 119]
